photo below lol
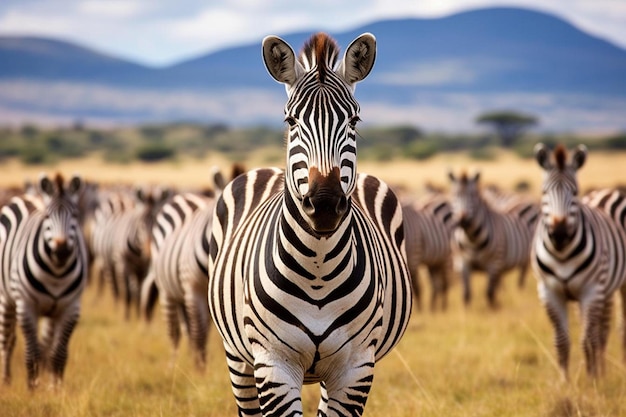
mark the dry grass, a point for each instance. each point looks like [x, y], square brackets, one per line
[464, 362]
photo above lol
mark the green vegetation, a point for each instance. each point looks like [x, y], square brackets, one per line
[152, 143]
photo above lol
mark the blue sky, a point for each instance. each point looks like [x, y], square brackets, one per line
[164, 32]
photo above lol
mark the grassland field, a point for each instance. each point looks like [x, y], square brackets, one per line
[463, 362]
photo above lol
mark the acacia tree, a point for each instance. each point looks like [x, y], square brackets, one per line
[508, 125]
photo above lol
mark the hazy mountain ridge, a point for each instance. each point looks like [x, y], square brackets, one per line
[465, 61]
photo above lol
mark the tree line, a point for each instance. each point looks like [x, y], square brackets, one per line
[153, 143]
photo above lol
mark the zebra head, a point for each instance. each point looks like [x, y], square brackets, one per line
[61, 230]
[560, 207]
[465, 194]
[321, 113]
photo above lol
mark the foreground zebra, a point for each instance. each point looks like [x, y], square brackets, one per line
[44, 270]
[487, 238]
[578, 255]
[307, 280]
[428, 227]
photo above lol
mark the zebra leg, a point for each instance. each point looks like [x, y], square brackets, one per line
[63, 329]
[27, 320]
[592, 313]
[492, 288]
[148, 296]
[47, 334]
[243, 385]
[170, 312]
[605, 328]
[323, 404]
[7, 337]
[556, 308]
[197, 311]
[347, 393]
[439, 286]
[278, 383]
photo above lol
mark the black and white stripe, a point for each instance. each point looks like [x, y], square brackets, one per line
[44, 270]
[428, 227]
[488, 238]
[578, 255]
[178, 271]
[307, 277]
[121, 237]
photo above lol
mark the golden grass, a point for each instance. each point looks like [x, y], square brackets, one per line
[464, 362]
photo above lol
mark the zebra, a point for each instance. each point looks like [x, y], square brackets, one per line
[428, 228]
[178, 270]
[308, 281]
[578, 254]
[44, 270]
[121, 240]
[487, 238]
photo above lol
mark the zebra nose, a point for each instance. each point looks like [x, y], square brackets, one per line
[62, 249]
[325, 204]
[313, 205]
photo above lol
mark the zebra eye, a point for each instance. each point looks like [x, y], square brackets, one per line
[291, 121]
[353, 121]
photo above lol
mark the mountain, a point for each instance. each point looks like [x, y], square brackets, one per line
[437, 73]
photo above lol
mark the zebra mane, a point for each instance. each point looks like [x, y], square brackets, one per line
[320, 50]
[560, 156]
[58, 179]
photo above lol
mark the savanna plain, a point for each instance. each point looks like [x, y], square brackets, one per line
[466, 361]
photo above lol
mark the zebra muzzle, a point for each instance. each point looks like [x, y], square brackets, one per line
[325, 204]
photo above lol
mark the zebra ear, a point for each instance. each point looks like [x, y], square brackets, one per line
[579, 156]
[75, 185]
[45, 185]
[280, 61]
[451, 176]
[542, 155]
[358, 60]
[219, 182]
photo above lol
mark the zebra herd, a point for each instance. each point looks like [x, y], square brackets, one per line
[308, 273]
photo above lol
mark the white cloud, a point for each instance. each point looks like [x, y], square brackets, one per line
[115, 9]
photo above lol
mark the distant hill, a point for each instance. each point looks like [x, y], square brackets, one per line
[438, 70]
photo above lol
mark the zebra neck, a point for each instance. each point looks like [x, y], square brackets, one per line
[318, 255]
[476, 229]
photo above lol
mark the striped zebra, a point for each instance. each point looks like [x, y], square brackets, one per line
[44, 270]
[178, 271]
[487, 238]
[613, 202]
[578, 254]
[121, 237]
[428, 228]
[307, 277]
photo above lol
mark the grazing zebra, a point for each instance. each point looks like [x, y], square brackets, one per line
[307, 277]
[121, 238]
[578, 254]
[487, 238]
[428, 228]
[44, 270]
